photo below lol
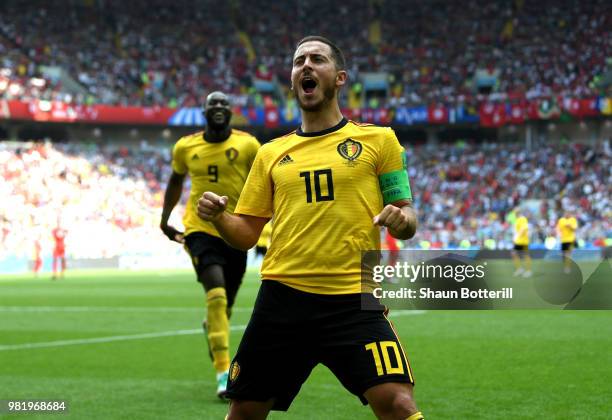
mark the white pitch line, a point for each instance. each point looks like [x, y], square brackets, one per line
[405, 312]
[96, 340]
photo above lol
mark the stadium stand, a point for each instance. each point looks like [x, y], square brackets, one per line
[153, 52]
[160, 53]
[463, 192]
[467, 191]
[107, 197]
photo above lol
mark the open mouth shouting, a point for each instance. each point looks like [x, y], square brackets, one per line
[308, 85]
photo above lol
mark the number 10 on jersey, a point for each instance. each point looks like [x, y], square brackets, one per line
[316, 176]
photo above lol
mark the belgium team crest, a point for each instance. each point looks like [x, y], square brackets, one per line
[231, 154]
[234, 371]
[350, 150]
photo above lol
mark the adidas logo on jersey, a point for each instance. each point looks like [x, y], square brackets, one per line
[195, 157]
[287, 159]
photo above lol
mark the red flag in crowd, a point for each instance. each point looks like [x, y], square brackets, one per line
[271, 117]
[492, 115]
[517, 113]
[589, 107]
[437, 114]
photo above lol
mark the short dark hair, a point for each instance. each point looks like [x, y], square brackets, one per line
[336, 52]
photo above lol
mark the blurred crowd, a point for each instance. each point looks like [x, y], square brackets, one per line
[109, 197]
[466, 194]
[155, 52]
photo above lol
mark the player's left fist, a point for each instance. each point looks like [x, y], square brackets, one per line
[393, 218]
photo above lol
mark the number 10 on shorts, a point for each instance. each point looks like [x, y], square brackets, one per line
[383, 347]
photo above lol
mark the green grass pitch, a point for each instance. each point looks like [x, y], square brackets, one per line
[122, 345]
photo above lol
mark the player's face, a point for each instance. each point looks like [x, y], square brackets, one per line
[217, 111]
[314, 76]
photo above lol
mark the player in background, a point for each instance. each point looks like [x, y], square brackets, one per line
[329, 185]
[59, 251]
[263, 243]
[521, 245]
[37, 260]
[217, 159]
[566, 229]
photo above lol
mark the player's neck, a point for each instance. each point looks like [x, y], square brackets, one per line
[321, 120]
[213, 135]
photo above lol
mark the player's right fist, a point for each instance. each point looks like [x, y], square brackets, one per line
[211, 205]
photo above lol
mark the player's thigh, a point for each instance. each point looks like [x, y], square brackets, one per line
[274, 356]
[207, 256]
[366, 353]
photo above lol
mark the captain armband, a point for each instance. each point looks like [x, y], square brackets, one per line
[395, 186]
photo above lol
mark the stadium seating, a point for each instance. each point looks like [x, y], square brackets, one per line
[466, 192]
[109, 197]
[153, 52]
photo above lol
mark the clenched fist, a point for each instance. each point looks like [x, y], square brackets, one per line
[393, 218]
[211, 206]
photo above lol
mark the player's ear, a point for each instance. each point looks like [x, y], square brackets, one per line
[341, 77]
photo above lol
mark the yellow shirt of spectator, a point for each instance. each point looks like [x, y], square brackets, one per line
[521, 231]
[220, 167]
[323, 189]
[566, 226]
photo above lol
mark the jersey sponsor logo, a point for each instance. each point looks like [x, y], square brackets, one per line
[350, 150]
[195, 157]
[231, 154]
[287, 159]
[234, 371]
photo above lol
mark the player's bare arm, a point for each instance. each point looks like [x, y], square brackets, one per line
[238, 230]
[400, 218]
[171, 198]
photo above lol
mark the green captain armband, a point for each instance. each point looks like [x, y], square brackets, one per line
[395, 186]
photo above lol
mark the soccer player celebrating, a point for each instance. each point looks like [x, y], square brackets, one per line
[521, 245]
[329, 185]
[566, 229]
[217, 160]
[59, 251]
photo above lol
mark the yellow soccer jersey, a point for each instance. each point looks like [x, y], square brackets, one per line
[521, 231]
[323, 190]
[218, 167]
[566, 226]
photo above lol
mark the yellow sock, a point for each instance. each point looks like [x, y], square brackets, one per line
[218, 328]
[416, 416]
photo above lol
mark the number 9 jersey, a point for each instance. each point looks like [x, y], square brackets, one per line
[323, 189]
[220, 167]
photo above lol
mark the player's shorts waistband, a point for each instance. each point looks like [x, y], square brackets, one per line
[277, 291]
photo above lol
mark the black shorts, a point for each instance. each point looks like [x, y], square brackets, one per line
[291, 331]
[567, 246]
[206, 250]
[521, 247]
